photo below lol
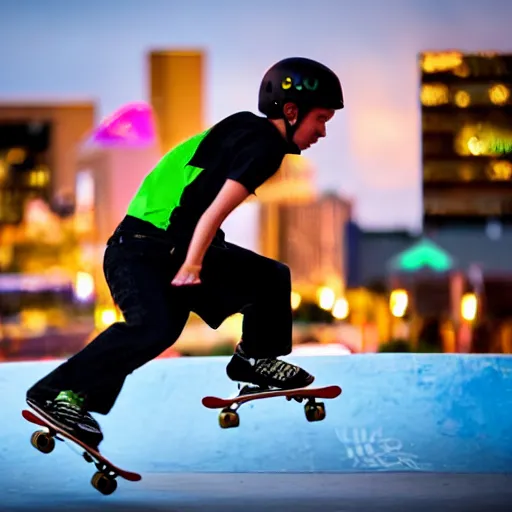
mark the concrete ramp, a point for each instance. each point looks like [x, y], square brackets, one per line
[398, 412]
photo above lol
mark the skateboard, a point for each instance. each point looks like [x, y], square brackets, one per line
[104, 480]
[229, 417]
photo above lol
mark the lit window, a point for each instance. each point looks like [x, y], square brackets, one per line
[499, 94]
[434, 94]
[462, 99]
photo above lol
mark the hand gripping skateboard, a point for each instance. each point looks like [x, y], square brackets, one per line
[229, 417]
[104, 480]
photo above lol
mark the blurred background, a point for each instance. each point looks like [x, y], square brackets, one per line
[397, 227]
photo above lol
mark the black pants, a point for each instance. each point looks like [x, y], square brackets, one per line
[139, 273]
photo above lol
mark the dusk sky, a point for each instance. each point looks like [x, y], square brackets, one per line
[97, 49]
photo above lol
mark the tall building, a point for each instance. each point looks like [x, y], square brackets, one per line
[176, 94]
[38, 144]
[466, 115]
[310, 238]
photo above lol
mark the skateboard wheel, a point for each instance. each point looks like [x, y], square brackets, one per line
[229, 419]
[43, 441]
[103, 483]
[315, 412]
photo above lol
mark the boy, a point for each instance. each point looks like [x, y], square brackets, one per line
[168, 256]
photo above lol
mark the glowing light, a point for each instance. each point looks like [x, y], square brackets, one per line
[326, 298]
[84, 286]
[500, 146]
[499, 94]
[38, 177]
[436, 62]
[469, 307]
[476, 146]
[433, 95]
[341, 309]
[296, 299]
[130, 126]
[424, 254]
[462, 99]
[106, 317]
[483, 139]
[501, 170]
[398, 302]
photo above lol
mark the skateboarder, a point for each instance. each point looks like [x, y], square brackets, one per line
[168, 256]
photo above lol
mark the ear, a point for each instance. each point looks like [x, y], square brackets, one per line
[291, 112]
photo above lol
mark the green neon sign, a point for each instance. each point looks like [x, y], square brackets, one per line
[500, 146]
[424, 254]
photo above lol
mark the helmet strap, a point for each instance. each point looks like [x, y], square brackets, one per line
[291, 128]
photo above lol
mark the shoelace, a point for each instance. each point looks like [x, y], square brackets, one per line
[276, 369]
[68, 410]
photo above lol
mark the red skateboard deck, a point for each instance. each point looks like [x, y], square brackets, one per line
[315, 411]
[104, 479]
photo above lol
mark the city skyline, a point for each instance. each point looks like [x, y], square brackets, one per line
[372, 153]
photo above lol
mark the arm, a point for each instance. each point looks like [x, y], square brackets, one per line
[230, 196]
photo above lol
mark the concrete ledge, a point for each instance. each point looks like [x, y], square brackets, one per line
[398, 412]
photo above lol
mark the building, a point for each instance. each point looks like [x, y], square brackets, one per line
[110, 166]
[466, 119]
[177, 94]
[309, 237]
[38, 147]
[39, 143]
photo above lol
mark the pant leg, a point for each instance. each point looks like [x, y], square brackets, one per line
[235, 280]
[138, 274]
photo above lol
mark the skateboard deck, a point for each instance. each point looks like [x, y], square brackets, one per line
[104, 480]
[315, 411]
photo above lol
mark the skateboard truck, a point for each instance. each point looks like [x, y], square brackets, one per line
[314, 411]
[104, 480]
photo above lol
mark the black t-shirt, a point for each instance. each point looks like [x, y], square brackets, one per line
[243, 147]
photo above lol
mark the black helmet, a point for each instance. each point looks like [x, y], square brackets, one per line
[305, 82]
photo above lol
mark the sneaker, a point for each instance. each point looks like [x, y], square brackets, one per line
[267, 373]
[67, 412]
